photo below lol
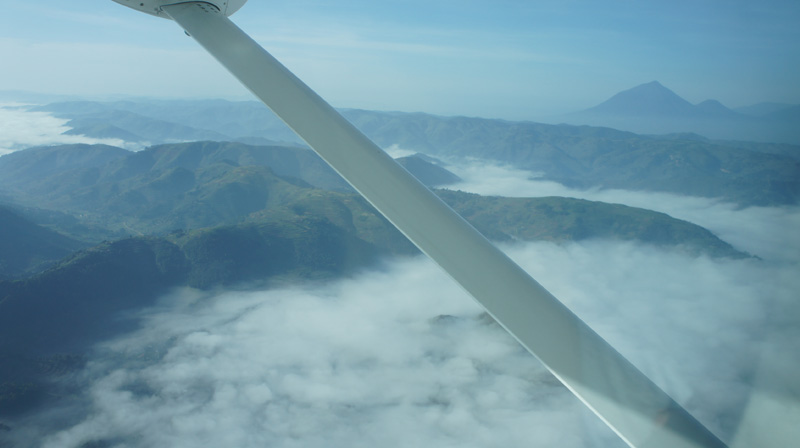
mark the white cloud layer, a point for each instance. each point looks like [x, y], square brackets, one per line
[21, 128]
[360, 362]
[367, 361]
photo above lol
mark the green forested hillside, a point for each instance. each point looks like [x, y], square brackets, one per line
[26, 247]
[567, 219]
[175, 186]
[206, 184]
[320, 235]
[209, 215]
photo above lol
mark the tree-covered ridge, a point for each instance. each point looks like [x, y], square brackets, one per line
[209, 215]
[208, 184]
[167, 187]
[566, 219]
[27, 247]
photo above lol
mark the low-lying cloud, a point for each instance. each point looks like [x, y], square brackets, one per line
[762, 231]
[22, 128]
[400, 356]
[395, 357]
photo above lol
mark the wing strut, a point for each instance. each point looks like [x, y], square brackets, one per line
[632, 405]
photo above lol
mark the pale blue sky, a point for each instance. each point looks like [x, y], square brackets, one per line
[503, 58]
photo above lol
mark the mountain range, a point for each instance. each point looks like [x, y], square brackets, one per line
[183, 186]
[94, 233]
[746, 173]
[224, 196]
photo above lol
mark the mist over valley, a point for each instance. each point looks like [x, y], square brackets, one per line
[186, 272]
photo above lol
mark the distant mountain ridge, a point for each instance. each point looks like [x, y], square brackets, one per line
[586, 157]
[577, 156]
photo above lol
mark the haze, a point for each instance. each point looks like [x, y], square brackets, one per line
[513, 60]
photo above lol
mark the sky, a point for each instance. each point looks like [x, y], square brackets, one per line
[508, 59]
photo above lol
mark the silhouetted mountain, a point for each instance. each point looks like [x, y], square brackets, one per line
[654, 109]
[651, 99]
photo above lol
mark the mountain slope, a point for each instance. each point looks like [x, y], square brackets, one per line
[320, 235]
[22, 167]
[173, 186]
[264, 228]
[26, 247]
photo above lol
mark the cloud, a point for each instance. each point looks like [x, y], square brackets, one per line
[768, 232]
[400, 356]
[360, 362]
[22, 128]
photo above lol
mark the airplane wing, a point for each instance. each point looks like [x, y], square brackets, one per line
[630, 403]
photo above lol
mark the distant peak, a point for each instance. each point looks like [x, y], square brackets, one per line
[652, 86]
[651, 98]
[710, 105]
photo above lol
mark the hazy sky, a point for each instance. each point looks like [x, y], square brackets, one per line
[502, 58]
